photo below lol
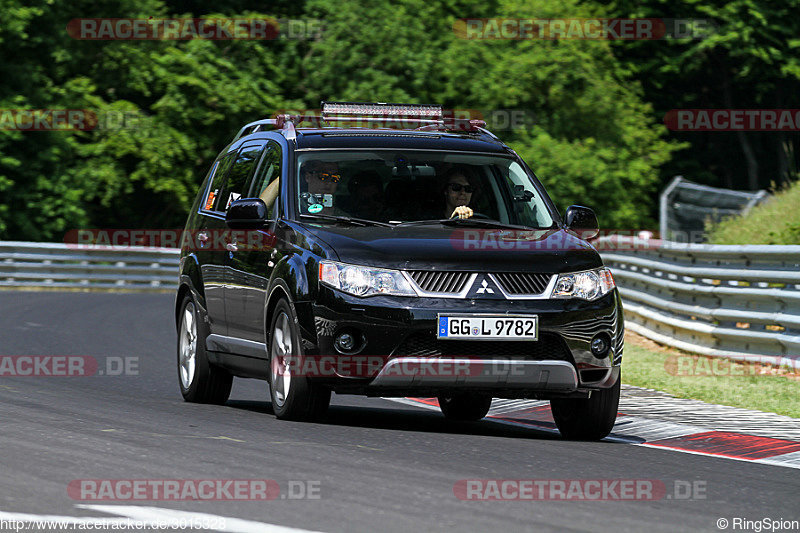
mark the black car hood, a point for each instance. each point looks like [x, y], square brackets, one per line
[458, 248]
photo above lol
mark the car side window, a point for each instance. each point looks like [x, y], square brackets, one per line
[266, 183]
[238, 176]
[531, 212]
[211, 200]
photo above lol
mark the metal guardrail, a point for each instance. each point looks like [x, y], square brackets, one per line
[685, 207]
[719, 300]
[32, 264]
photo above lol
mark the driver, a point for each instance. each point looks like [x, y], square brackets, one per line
[457, 194]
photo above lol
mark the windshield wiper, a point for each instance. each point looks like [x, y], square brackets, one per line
[482, 222]
[348, 220]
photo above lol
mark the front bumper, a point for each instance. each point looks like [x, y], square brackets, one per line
[407, 376]
[420, 372]
[400, 329]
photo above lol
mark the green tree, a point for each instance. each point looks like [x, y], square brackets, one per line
[181, 101]
[748, 59]
[595, 141]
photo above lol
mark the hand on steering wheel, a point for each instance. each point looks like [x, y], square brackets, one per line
[463, 211]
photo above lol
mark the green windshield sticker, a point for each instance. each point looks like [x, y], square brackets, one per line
[315, 208]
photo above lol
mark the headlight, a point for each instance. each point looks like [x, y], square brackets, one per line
[364, 281]
[588, 285]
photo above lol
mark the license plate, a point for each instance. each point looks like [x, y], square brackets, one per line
[488, 327]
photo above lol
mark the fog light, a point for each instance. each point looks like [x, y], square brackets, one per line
[600, 345]
[345, 342]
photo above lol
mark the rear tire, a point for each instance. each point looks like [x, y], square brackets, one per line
[200, 382]
[590, 418]
[465, 407]
[294, 397]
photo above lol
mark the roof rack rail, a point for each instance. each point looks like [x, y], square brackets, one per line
[484, 131]
[418, 117]
[255, 127]
[283, 122]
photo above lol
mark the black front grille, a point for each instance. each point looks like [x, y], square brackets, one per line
[444, 282]
[523, 283]
[550, 346]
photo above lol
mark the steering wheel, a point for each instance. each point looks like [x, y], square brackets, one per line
[475, 214]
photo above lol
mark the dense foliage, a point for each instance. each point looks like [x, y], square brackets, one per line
[749, 60]
[598, 137]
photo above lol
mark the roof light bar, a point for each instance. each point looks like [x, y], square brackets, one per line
[430, 117]
[380, 109]
[420, 117]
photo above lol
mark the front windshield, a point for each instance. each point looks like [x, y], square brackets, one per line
[396, 187]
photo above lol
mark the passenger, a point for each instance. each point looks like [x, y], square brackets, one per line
[322, 179]
[458, 190]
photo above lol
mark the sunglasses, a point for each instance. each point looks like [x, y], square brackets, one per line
[457, 187]
[325, 176]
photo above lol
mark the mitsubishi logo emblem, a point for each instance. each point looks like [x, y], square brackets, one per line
[485, 288]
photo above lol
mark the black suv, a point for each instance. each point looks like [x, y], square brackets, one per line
[425, 260]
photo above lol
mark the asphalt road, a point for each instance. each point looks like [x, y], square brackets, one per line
[379, 465]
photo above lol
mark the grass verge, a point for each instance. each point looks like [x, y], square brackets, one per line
[713, 380]
[776, 221]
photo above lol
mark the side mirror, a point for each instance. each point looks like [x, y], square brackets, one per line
[247, 213]
[582, 221]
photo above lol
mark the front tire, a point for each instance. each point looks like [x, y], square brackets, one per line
[200, 382]
[294, 397]
[465, 407]
[590, 418]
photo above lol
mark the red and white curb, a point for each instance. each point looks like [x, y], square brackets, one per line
[655, 419]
